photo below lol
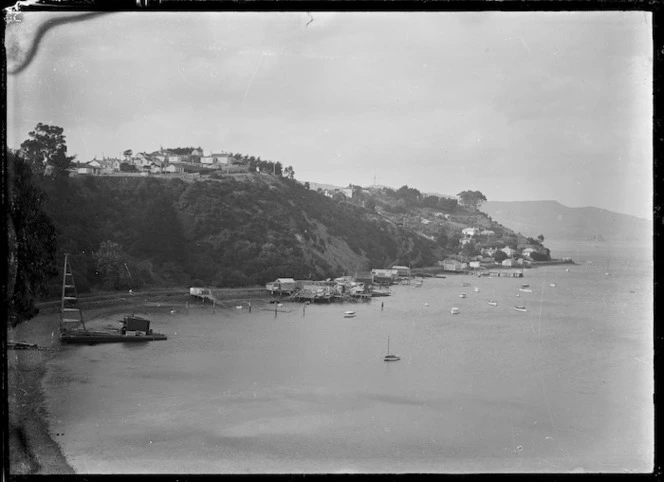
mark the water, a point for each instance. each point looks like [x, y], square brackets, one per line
[565, 386]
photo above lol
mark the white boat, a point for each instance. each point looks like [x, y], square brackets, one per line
[477, 290]
[455, 311]
[520, 308]
[349, 314]
[462, 295]
[493, 303]
[526, 290]
[553, 285]
[389, 357]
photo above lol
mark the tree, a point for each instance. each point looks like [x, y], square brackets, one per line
[541, 238]
[47, 147]
[127, 154]
[31, 242]
[471, 199]
[111, 266]
[499, 256]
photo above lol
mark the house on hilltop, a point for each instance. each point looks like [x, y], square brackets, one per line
[216, 159]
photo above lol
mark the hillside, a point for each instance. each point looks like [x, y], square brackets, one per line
[225, 232]
[556, 221]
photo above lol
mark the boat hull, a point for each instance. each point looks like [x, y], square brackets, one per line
[97, 337]
[390, 358]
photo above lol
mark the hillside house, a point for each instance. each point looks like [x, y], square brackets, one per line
[488, 251]
[216, 159]
[509, 262]
[89, 169]
[509, 251]
[474, 264]
[401, 270]
[142, 159]
[470, 232]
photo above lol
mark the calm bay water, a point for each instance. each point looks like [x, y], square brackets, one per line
[565, 386]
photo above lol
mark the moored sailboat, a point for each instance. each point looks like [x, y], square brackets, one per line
[389, 357]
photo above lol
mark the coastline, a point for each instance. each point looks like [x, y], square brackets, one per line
[32, 448]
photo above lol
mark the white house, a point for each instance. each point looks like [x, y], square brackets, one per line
[474, 264]
[509, 251]
[221, 158]
[89, 169]
[509, 262]
[470, 232]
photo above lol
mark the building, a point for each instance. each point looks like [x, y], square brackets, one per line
[509, 251]
[470, 232]
[401, 270]
[282, 286]
[383, 276]
[89, 169]
[221, 158]
[450, 264]
[509, 262]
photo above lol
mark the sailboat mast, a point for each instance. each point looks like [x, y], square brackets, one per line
[62, 298]
[388, 345]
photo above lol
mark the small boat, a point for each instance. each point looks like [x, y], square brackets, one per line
[476, 290]
[455, 311]
[440, 276]
[526, 290]
[389, 357]
[553, 285]
[520, 308]
[567, 270]
[493, 303]
[349, 314]
[525, 286]
[462, 295]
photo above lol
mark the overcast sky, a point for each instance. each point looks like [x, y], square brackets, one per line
[521, 106]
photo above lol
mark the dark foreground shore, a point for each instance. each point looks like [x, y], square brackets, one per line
[32, 448]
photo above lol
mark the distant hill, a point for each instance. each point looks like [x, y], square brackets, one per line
[556, 221]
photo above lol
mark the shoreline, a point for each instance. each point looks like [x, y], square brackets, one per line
[32, 448]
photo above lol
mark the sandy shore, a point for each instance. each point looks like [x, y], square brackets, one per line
[32, 448]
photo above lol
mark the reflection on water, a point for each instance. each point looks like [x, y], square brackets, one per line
[489, 389]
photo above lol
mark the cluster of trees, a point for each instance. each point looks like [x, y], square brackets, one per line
[471, 199]
[45, 151]
[31, 237]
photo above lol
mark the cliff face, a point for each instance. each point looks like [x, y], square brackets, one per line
[227, 232]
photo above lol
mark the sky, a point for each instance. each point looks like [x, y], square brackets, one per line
[518, 105]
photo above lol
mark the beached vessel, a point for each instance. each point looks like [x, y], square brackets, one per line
[462, 295]
[389, 357]
[455, 311]
[349, 314]
[520, 308]
[493, 303]
[72, 325]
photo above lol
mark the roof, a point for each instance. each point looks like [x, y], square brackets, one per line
[285, 280]
[400, 267]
